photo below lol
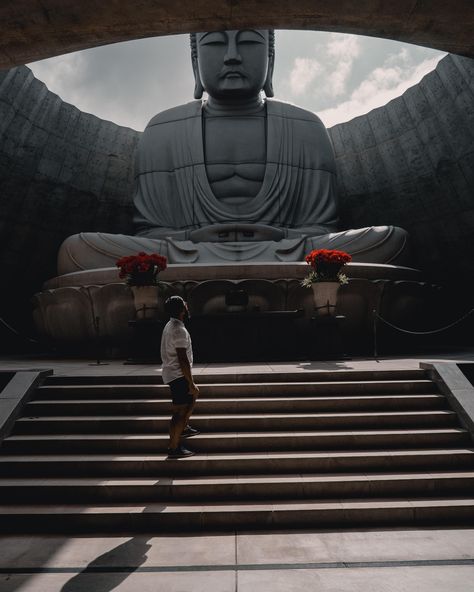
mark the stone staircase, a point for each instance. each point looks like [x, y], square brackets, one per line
[315, 449]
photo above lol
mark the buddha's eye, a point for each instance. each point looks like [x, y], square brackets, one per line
[250, 37]
[249, 42]
[213, 39]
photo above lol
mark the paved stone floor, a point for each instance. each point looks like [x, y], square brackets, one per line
[386, 560]
[118, 367]
[421, 560]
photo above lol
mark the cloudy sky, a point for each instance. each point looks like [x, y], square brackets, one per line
[335, 75]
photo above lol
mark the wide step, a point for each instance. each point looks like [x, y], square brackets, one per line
[279, 450]
[158, 465]
[244, 377]
[236, 422]
[207, 489]
[240, 442]
[160, 517]
[242, 389]
[237, 405]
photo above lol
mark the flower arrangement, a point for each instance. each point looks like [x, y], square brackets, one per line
[141, 269]
[327, 265]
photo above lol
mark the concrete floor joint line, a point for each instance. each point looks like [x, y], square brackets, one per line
[244, 567]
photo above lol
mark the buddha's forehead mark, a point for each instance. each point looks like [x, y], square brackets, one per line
[228, 35]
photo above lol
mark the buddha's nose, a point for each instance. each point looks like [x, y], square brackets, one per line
[232, 55]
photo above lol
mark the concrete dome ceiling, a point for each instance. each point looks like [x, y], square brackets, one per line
[37, 29]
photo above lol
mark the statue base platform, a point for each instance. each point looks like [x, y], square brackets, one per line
[275, 317]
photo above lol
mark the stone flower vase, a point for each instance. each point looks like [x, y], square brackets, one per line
[146, 301]
[325, 297]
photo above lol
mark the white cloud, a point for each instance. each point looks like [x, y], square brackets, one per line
[65, 77]
[358, 73]
[380, 87]
[130, 82]
[338, 78]
[343, 47]
[61, 77]
[303, 73]
[126, 83]
[342, 50]
[337, 59]
[402, 57]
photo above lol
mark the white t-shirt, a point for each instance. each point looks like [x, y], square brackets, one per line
[174, 335]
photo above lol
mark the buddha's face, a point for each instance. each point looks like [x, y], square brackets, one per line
[233, 63]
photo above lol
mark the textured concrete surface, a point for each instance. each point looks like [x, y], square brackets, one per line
[432, 560]
[410, 163]
[61, 171]
[34, 29]
[459, 390]
[79, 367]
[15, 395]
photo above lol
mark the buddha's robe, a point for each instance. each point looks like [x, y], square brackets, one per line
[178, 216]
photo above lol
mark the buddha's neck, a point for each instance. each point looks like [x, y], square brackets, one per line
[215, 106]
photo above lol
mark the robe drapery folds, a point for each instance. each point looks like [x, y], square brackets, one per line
[173, 196]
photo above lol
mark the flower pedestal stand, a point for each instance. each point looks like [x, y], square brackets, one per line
[325, 297]
[144, 347]
[325, 337]
[325, 341]
[146, 301]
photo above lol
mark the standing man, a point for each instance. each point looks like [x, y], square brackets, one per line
[177, 357]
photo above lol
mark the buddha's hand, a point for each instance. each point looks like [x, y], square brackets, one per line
[219, 233]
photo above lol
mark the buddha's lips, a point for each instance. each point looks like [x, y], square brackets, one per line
[232, 74]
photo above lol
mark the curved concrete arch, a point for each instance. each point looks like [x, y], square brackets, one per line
[35, 29]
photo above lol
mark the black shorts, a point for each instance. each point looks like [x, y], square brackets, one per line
[180, 394]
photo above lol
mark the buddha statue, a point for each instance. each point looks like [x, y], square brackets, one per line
[238, 177]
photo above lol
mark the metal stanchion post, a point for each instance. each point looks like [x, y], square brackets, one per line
[97, 342]
[374, 312]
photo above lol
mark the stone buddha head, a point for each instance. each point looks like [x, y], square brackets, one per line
[233, 64]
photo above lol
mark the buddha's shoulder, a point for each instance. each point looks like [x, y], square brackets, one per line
[289, 111]
[175, 114]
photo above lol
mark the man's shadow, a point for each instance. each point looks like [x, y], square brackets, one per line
[110, 569]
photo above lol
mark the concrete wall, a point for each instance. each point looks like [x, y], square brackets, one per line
[61, 171]
[410, 163]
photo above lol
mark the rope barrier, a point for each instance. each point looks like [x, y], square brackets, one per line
[440, 330]
[17, 333]
[406, 331]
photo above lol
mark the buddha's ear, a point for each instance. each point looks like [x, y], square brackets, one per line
[198, 87]
[268, 86]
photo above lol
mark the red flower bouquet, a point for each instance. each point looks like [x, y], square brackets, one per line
[327, 265]
[141, 269]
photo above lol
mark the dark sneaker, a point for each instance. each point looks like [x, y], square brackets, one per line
[189, 431]
[179, 452]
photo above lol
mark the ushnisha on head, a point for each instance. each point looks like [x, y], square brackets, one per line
[233, 64]
[176, 308]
